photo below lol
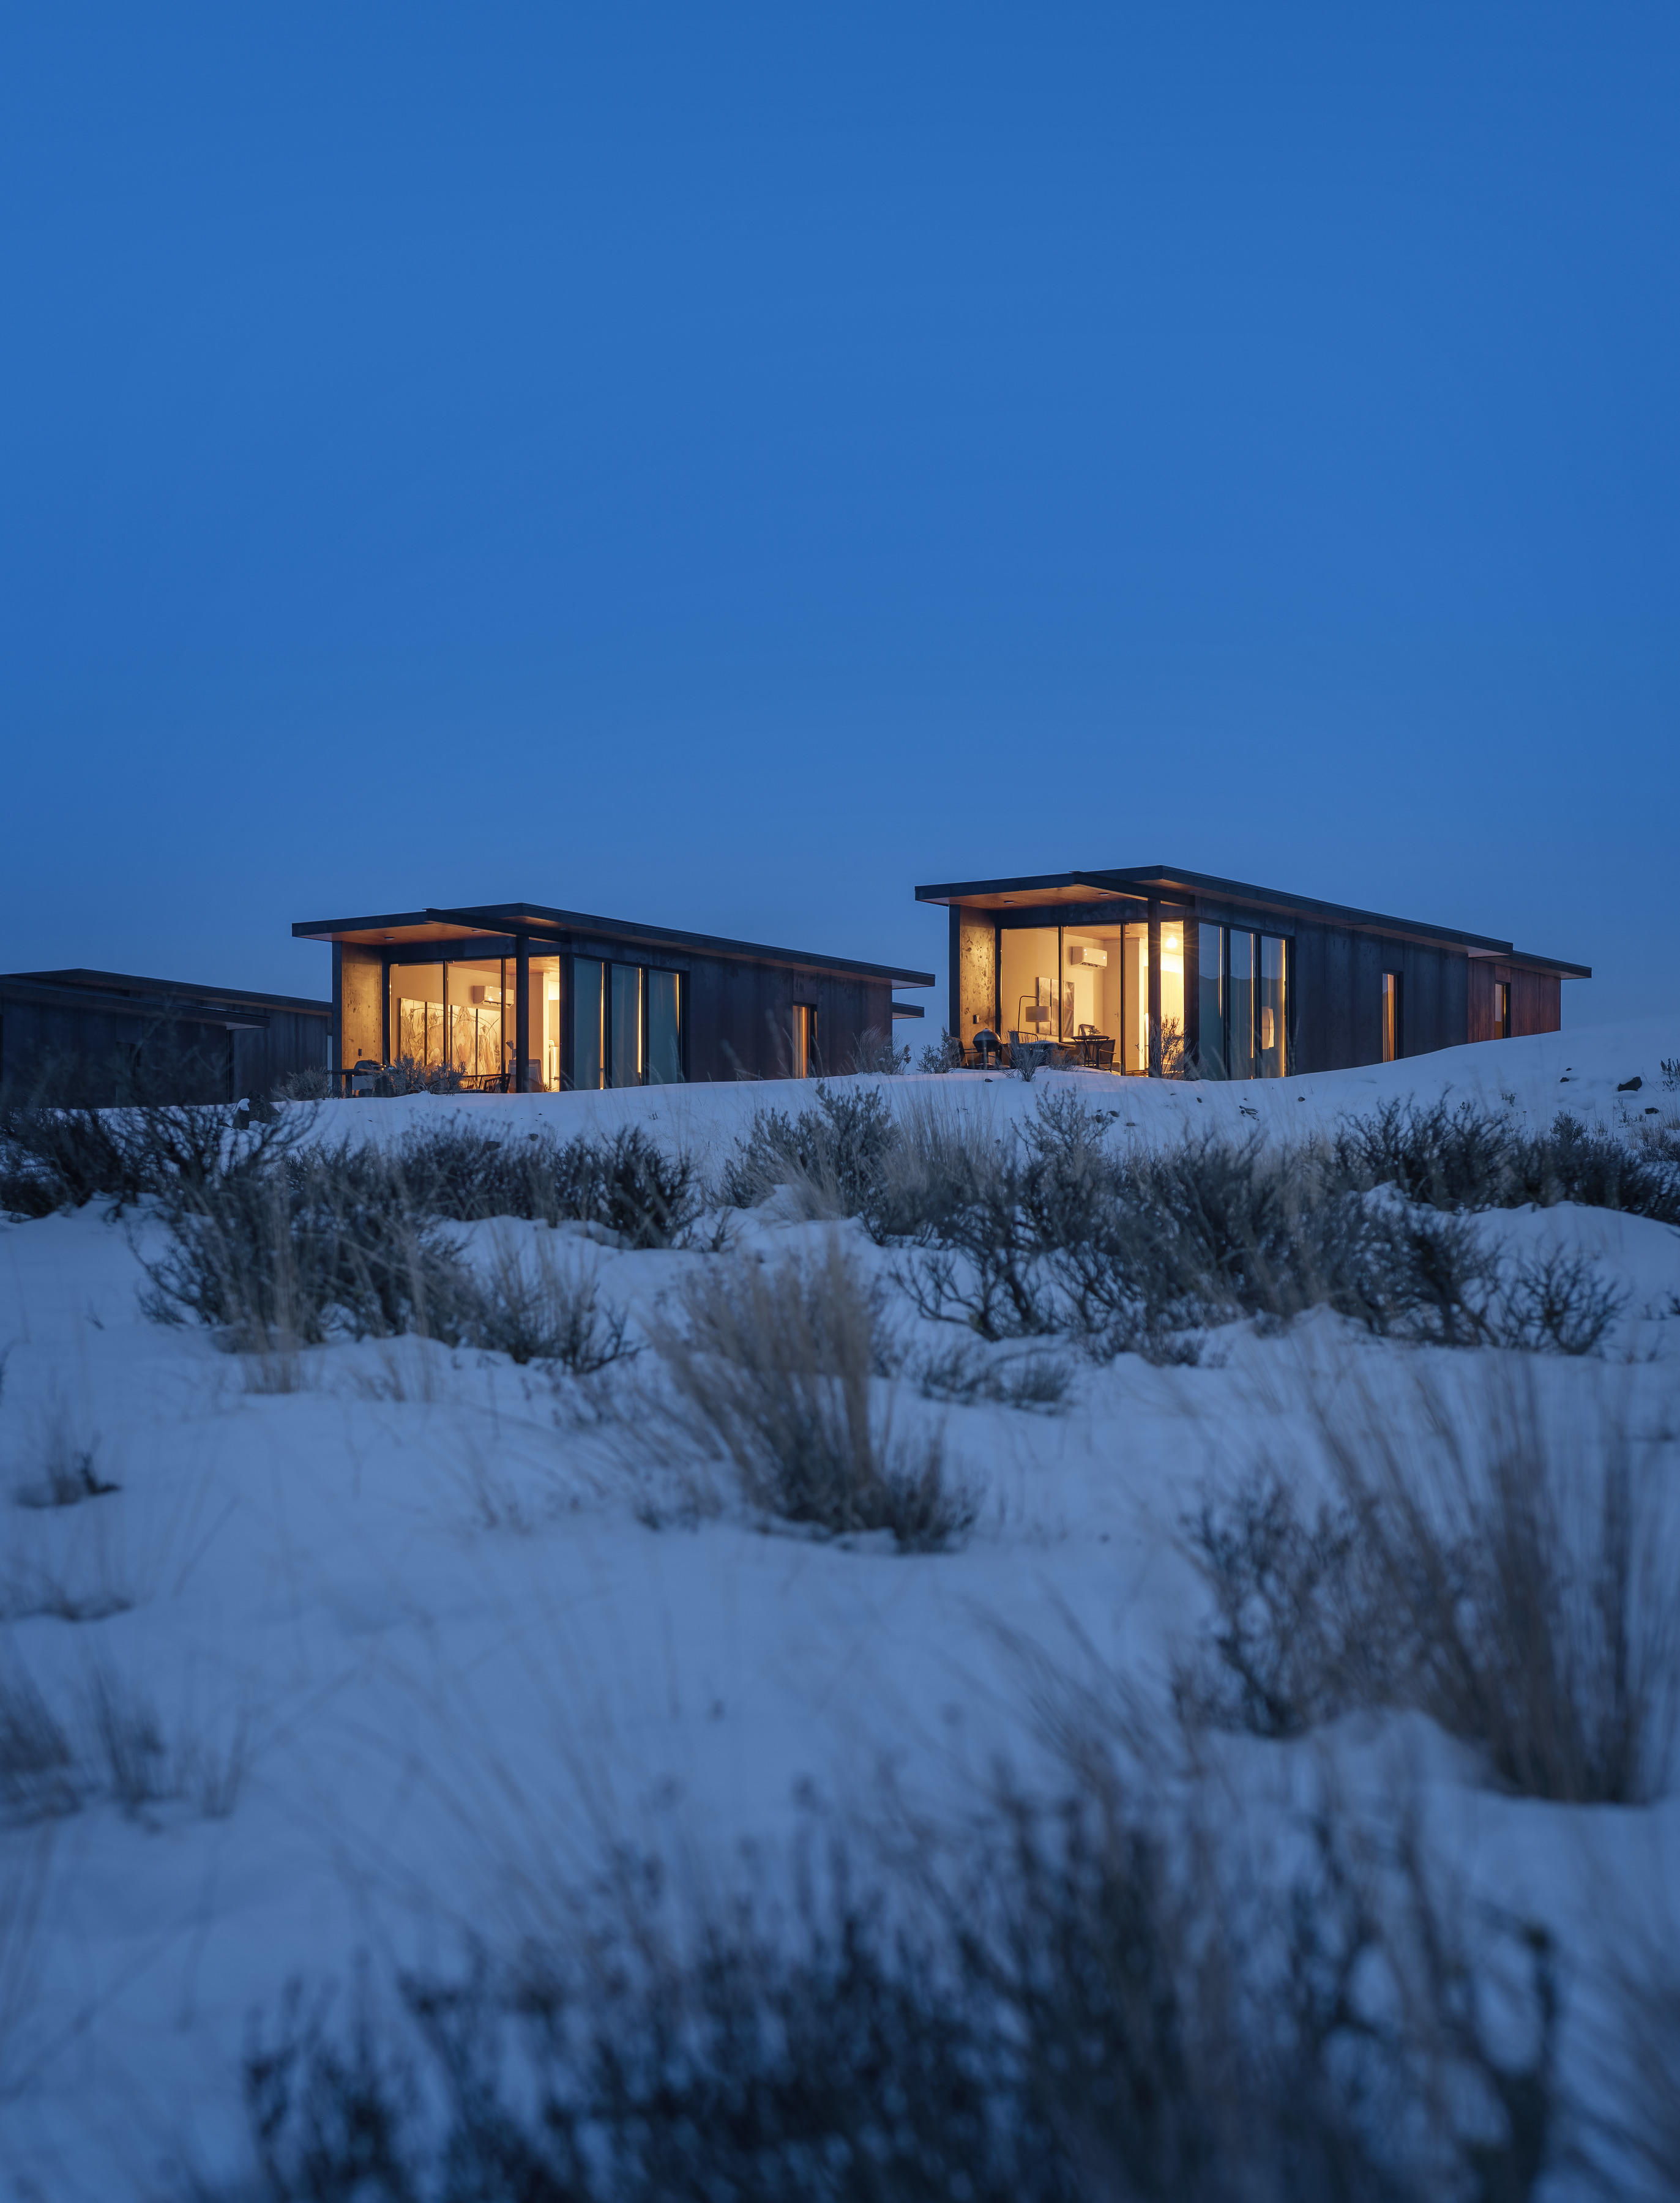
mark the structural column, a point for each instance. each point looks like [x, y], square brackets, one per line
[522, 1013]
[1154, 986]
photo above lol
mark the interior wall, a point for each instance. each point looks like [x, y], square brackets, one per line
[973, 974]
[363, 1031]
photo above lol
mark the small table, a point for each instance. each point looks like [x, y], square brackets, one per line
[1090, 1048]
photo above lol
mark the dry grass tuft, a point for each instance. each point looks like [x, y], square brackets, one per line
[1511, 1578]
[774, 1368]
[538, 1305]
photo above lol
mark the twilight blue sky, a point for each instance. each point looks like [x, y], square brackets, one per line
[722, 465]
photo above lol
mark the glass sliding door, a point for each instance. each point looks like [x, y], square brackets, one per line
[624, 1026]
[1172, 998]
[475, 996]
[1241, 995]
[543, 1035]
[1134, 972]
[1270, 1037]
[1210, 1001]
[589, 1023]
[664, 1028]
[419, 1036]
[1029, 992]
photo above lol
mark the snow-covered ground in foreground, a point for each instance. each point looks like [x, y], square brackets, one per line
[414, 1603]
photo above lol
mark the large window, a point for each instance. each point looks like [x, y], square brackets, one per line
[453, 1016]
[624, 1025]
[1210, 1001]
[1239, 1035]
[627, 1026]
[545, 1020]
[1271, 1051]
[1030, 996]
[1172, 997]
[1243, 1004]
[419, 1030]
[589, 1023]
[1105, 992]
[481, 1012]
[464, 1016]
[664, 1028]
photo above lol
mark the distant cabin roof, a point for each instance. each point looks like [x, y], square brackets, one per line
[127, 989]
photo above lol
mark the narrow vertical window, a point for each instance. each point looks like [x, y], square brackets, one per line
[1502, 1009]
[804, 1039]
[1392, 1037]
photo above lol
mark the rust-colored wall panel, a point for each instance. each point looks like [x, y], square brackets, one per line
[1483, 979]
[1536, 1003]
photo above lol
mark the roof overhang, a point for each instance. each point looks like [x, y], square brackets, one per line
[1173, 883]
[1024, 893]
[563, 927]
[124, 993]
[1521, 960]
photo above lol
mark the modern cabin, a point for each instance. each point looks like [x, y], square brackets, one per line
[520, 997]
[1160, 971]
[109, 1036]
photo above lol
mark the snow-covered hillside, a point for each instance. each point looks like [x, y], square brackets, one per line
[385, 1627]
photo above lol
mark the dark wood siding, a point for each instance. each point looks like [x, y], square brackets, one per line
[1336, 1011]
[165, 1050]
[264, 1056]
[740, 1018]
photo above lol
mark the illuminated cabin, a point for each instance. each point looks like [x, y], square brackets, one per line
[522, 998]
[1155, 970]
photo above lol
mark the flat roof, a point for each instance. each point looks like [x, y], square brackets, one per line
[128, 985]
[1108, 883]
[507, 918]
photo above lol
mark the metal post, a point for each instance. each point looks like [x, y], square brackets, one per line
[522, 1013]
[1154, 986]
